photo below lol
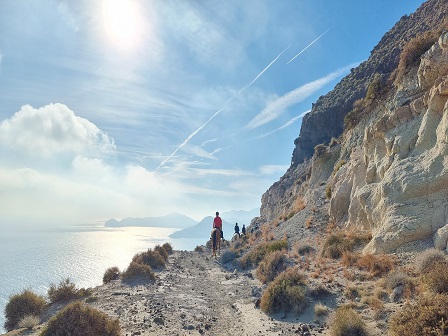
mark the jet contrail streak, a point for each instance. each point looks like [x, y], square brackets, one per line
[220, 110]
[309, 45]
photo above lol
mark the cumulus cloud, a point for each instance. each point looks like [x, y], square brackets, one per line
[51, 130]
[277, 107]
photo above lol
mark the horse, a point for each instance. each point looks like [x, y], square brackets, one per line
[216, 241]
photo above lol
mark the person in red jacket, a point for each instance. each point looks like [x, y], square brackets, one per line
[217, 223]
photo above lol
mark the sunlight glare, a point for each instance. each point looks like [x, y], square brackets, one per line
[122, 22]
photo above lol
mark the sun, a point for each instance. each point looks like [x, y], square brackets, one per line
[123, 23]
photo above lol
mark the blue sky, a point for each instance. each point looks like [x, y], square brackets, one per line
[134, 108]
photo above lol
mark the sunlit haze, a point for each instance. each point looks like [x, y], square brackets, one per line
[139, 108]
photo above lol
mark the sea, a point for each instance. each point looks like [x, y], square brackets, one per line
[36, 258]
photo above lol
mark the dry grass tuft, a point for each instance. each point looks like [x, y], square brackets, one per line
[21, 305]
[29, 322]
[78, 319]
[436, 279]
[347, 322]
[286, 293]
[137, 271]
[254, 257]
[66, 291]
[427, 259]
[271, 265]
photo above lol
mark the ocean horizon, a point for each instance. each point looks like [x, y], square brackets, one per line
[36, 258]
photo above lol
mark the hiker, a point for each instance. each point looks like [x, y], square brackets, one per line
[217, 223]
[237, 229]
[243, 230]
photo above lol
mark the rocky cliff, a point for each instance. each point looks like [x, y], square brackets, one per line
[385, 169]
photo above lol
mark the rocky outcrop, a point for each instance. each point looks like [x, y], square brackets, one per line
[326, 119]
[396, 182]
[389, 172]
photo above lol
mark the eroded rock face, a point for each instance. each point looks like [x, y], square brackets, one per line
[396, 182]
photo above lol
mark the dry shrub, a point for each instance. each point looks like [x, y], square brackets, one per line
[349, 258]
[29, 321]
[376, 265]
[163, 253]
[21, 305]
[335, 245]
[254, 257]
[413, 50]
[308, 222]
[436, 279]
[304, 249]
[150, 258]
[228, 256]
[199, 249]
[112, 273]
[168, 248]
[347, 322]
[137, 271]
[78, 319]
[428, 316]
[66, 291]
[287, 292]
[427, 259]
[271, 265]
[397, 278]
[352, 292]
[320, 309]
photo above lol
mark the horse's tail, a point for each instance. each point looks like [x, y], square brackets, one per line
[214, 238]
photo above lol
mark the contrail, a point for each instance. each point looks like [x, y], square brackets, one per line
[309, 45]
[220, 110]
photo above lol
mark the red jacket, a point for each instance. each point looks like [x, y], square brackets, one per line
[217, 222]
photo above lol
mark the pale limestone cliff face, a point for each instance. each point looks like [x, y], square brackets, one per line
[395, 182]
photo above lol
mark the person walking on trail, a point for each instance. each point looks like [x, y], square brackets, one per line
[237, 229]
[217, 223]
[243, 230]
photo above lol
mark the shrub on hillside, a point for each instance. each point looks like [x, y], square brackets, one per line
[427, 259]
[199, 249]
[436, 279]
[168, 248]
[112, 273]
[29, 321]
[271, 265]
[137, 271]
[78, 319]
[347, 322]
[339, 242]
[228, 256]
[428, 316]
[162, 252]
[21, 305]
[66, 291]
[376, 265]
[397, 278]
[254, 257]
[150, 258]
[413, 50]
[287, 292]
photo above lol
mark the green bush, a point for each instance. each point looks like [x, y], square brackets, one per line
[137, 271]
[347, 322]
[150, 258]
[254, 257]
[271, 265]
[78, 319]
[112, 273]
[168, 248]
[66, 291]
[436, 279]
[287, 292]
[428, 316]
[21, 305]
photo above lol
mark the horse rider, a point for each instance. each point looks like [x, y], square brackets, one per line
[217, 223]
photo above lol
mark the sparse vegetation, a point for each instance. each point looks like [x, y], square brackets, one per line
[66, 291]
[376, 265]
[286, 293]
[328, 191]
[199, 249]
[20, 305]
[168, 248]
[254, 257]
[427, 259]
[271, 265]
[347, 322]
[137, 271]
[163, 253]
[112, 273]
[78, 319]
[436, 279]
[228, 256]
[428, 316]
[150, 258]
[321, 310]
[29, 321]
[338, 243]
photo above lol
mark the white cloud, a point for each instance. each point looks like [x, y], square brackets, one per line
[51, 130]
[276, 108]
